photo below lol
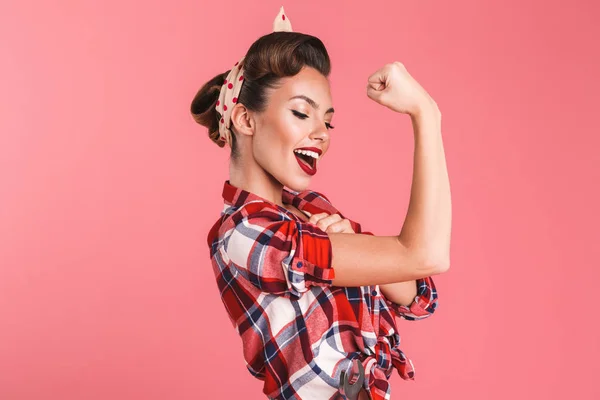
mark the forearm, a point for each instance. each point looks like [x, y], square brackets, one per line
[428, 221]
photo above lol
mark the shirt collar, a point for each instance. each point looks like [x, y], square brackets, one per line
[306, 200]
[237, 197]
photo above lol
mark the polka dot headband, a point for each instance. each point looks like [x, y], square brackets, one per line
[232, 86]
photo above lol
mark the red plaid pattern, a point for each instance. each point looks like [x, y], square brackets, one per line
[299, 331]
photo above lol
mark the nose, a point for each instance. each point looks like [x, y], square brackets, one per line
[320, 133]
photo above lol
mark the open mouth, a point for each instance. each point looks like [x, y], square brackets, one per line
[308, 160]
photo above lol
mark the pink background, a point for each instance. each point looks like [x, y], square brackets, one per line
[108, 189]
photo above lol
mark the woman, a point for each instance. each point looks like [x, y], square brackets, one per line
[308, 291]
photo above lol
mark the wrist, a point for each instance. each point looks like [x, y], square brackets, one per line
[426, 116]
[426, 120]
[426, 109]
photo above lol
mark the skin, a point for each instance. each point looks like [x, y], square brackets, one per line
[267, 140]
[267, 163]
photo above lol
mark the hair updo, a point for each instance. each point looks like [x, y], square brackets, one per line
[270, 58]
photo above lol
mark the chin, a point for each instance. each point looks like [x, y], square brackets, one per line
[298, 187]
[291, 176]
[297, 183]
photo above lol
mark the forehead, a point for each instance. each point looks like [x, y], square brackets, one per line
[308, 82]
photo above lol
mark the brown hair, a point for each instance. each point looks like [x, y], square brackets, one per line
[270, 58]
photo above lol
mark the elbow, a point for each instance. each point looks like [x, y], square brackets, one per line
[438, 264]
[444, 267]
[429, 262]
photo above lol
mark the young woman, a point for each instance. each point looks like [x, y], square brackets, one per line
[308, 291]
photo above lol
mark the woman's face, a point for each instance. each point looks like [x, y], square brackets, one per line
[292, 122]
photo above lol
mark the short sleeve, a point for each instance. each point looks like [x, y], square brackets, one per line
[423, 305]
[276, 254]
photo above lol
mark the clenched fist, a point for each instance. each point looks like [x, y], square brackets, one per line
[392, 86]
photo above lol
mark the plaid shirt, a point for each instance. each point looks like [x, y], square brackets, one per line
[274, 273]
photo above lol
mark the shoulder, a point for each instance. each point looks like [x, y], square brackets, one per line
[250, 215]
[253, 207]
[253, 215]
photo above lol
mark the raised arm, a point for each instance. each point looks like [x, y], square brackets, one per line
[423, 245]
[287, 257]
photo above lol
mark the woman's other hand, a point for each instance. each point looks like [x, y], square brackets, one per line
[331, 223]
[392, 86]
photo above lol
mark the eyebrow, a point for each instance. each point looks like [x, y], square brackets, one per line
[311, 102]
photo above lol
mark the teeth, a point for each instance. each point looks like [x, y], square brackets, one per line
[308, 153]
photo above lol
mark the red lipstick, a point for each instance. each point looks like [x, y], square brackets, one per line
[309, 169]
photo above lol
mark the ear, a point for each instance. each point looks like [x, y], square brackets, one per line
[242, 120]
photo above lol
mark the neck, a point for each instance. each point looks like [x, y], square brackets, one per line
[253, 178]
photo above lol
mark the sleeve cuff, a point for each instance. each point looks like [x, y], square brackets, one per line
[310, 263]
[423, 305]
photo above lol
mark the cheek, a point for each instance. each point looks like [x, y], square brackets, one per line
[279, 135]
[286, 133]
[293, 132]
[272, 147]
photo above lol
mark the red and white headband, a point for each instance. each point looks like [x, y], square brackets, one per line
[232, 86]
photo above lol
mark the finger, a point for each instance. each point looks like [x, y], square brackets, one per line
[336, 227]
[342, 226]
[377, 78]
[347, 226]
[373, 94]
[316, 217]
[376, 86]
[325, 222]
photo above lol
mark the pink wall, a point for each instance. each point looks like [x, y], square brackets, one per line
[108, 189]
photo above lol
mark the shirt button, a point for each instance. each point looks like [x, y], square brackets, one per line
[299, 264]
[374, 292]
